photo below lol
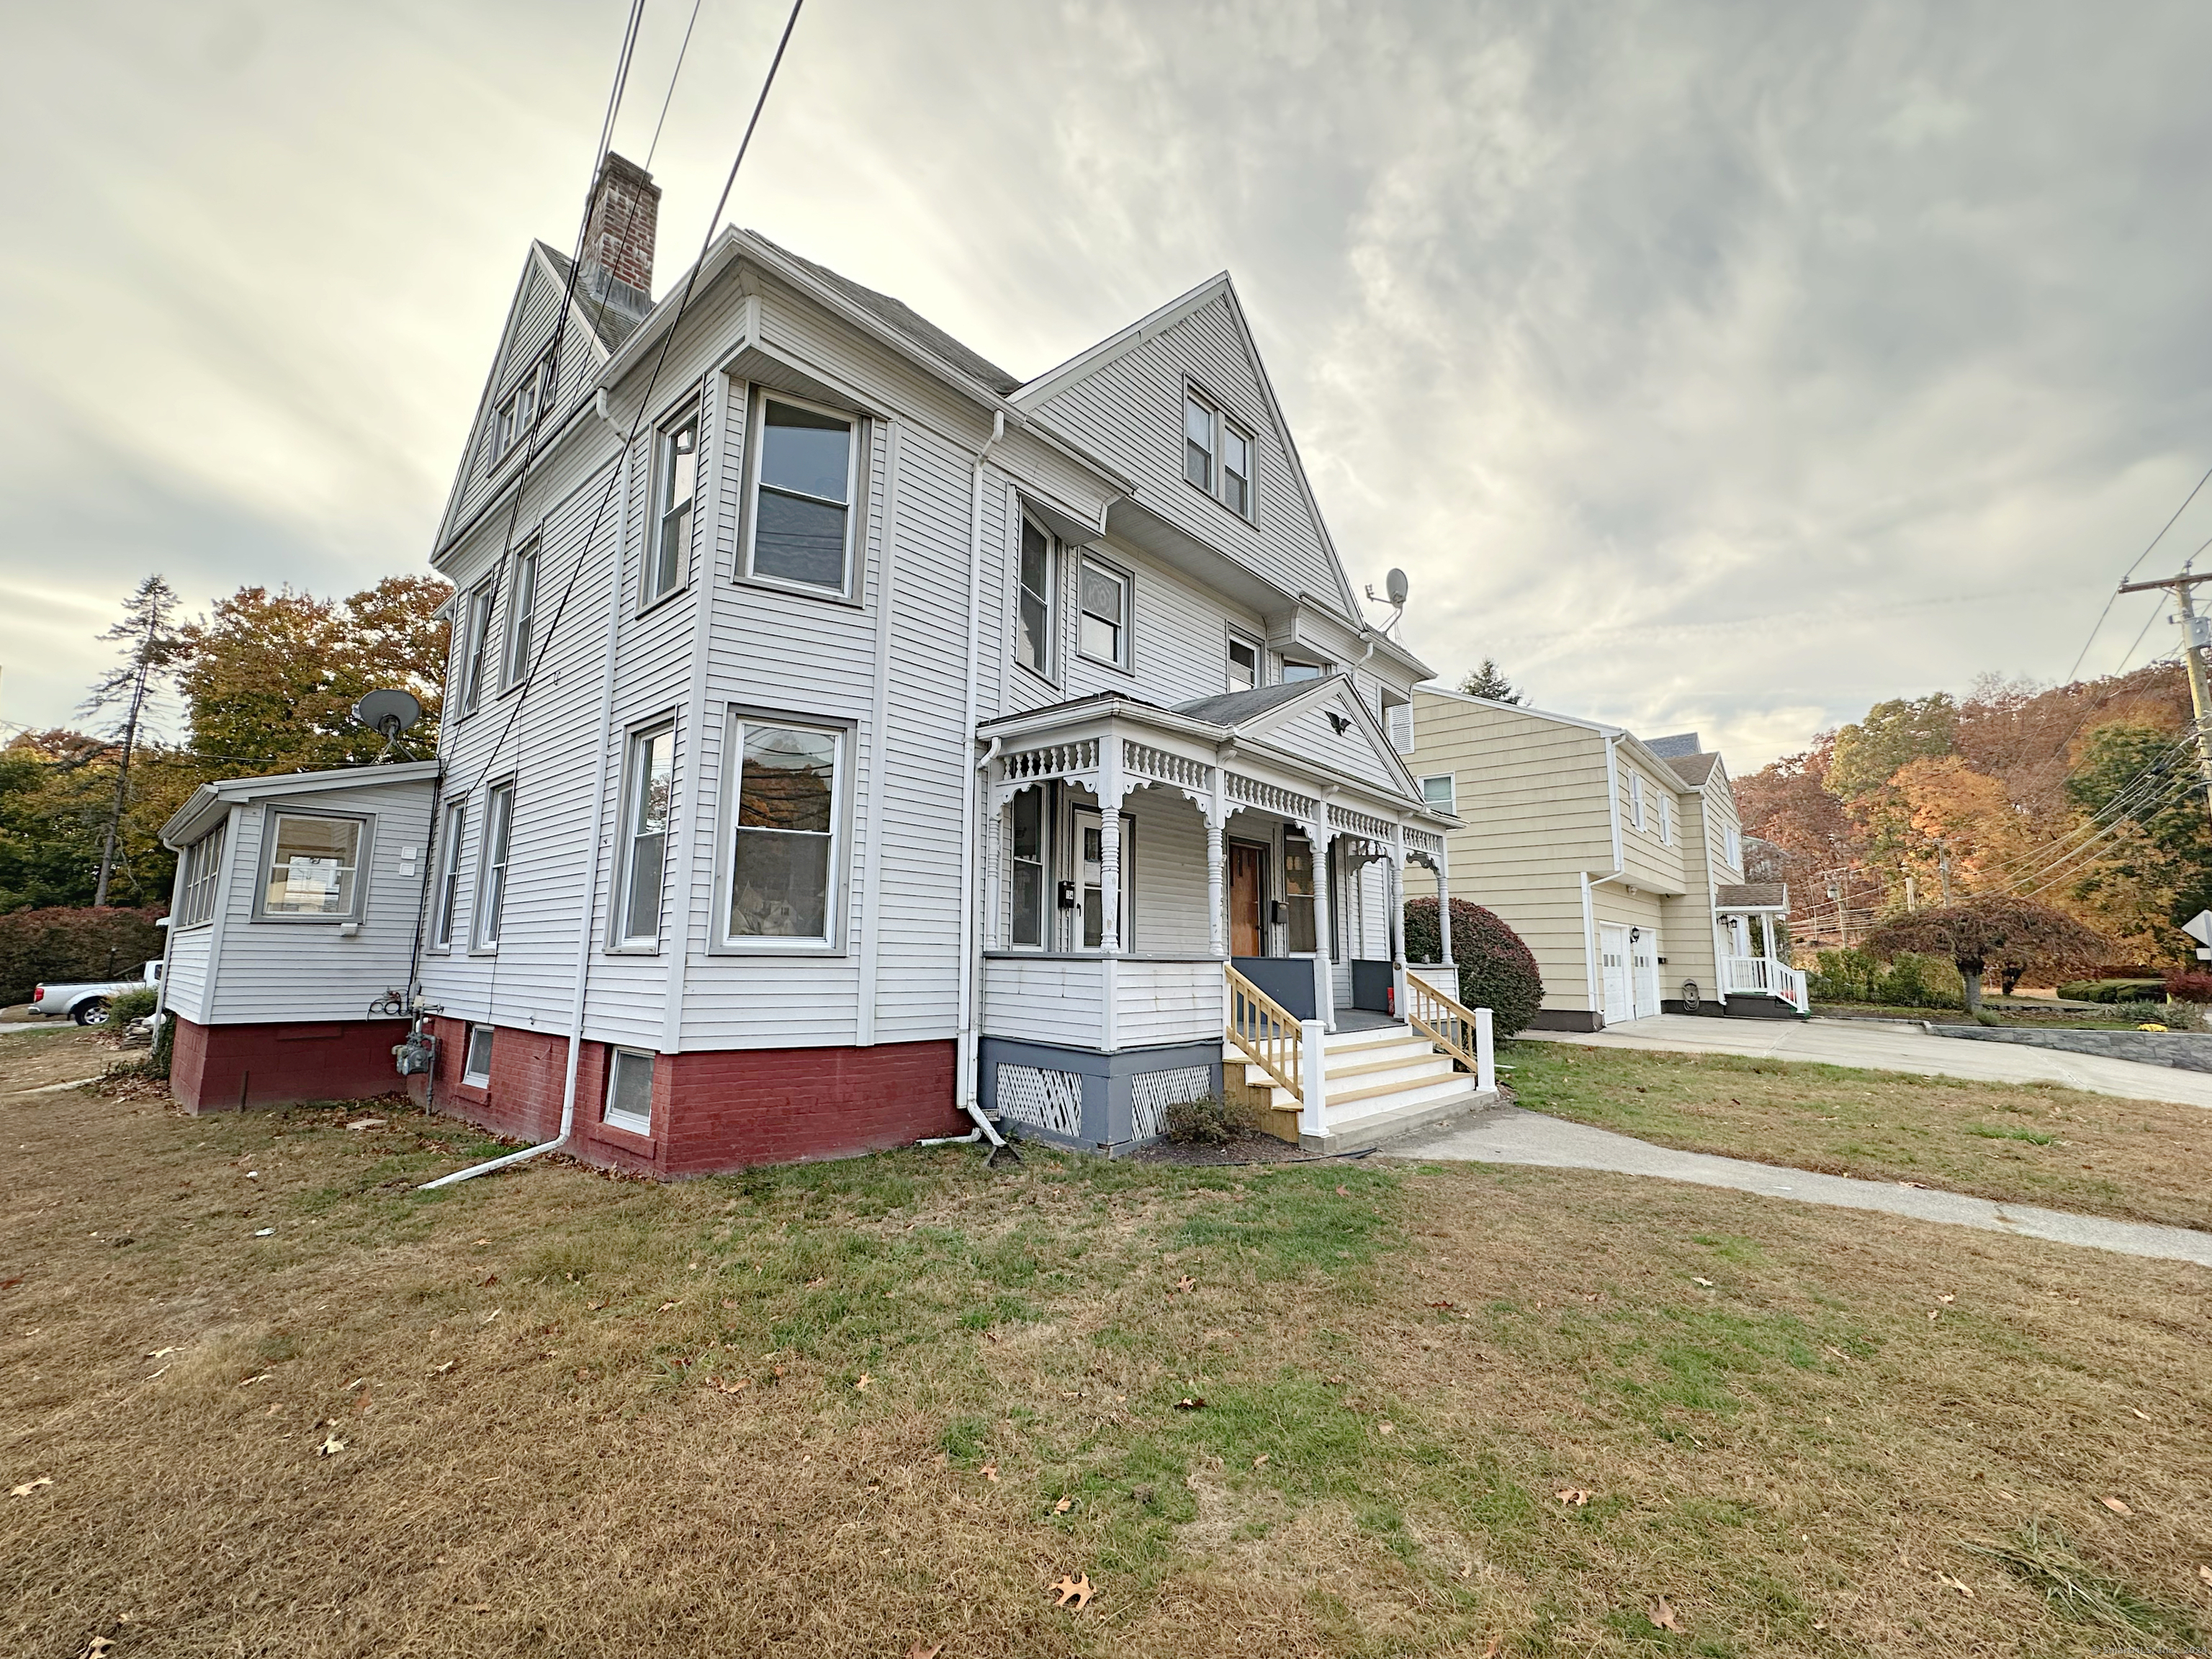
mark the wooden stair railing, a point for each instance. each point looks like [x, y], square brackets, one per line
[1451, 1027]
[1269, 1034]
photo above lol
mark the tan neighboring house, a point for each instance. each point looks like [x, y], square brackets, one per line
[1618, 860]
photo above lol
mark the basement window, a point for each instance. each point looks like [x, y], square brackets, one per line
[475, 1065]
[629, 1091]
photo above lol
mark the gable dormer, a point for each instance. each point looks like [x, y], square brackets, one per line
[1181, 404]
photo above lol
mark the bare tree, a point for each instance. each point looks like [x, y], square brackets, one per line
[150, 645]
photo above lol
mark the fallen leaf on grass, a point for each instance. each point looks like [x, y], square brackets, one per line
[2205, 1573]
[729, 1302]
[918, 1651]
[2144, 1415]
[2116, 1506]
[366, 1123]
[991, 1472]
[265, 1232]
[1576, 1495]
[1949, 1582]
[487, 1281]
[736, 1387]
[1190, 1402]
[1947, 1300]
[493, 1315]
[1922, 1185]
[1260, 1461]
[815, 1284]
[439, 1370]
[96, 1647]
[1440, 1304]
[665, 1306]
[331, 1447]
[1063, 1506]
[1491, 1652]
[593, 1307]
[251, 1381]
[862, 1385]
[30, 1487]
[1186, 1285]
[1389, 1428]
[163, 1353]
[1343, 1192]
[1073, 1592]
[1662, 1615]
[1707, 1282]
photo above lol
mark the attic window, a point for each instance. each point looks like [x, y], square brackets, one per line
[1216, 454]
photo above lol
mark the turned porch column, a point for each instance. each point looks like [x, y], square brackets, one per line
[1109, 844]
[1324, 981]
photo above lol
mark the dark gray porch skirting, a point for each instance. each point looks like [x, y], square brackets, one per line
[1108, 1085]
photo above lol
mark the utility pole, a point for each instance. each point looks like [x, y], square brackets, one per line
[2197, 637]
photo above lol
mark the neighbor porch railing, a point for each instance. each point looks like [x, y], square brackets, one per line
[1267, 1033]
[1463, 1033]
[1762, 977]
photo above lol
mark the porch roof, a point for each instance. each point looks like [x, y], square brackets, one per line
[1750, 896]
[1226, 731]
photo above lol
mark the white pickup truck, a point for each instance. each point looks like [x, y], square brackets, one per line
[88, 1003]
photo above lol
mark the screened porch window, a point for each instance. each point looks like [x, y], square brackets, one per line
[802, 517]
[1033, 630]
[1030, 864]
[783, 848]
[313, 868]
[202, 868]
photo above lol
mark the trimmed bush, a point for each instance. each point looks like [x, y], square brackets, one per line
[2113, 990]
[127, 1006]
[1204, 1122]
[2183, 985]
[59, 945]
[2145, 1013]
[1496, 971]
[1911, 981]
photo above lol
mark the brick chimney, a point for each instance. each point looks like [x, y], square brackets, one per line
[618, 240]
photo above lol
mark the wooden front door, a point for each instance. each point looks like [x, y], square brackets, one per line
[1245, 895]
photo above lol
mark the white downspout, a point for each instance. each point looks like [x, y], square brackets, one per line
[970, 933]
[1590, 972]
[584, 930]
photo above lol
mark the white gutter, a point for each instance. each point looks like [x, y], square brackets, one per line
[1620, 868]
[584, 929]
[879, 737]
[971, 781]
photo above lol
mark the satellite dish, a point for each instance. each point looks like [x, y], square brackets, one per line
[388, 712]
[1395, 585]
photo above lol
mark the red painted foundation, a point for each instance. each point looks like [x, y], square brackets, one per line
[712, 1109]
[226, 1068]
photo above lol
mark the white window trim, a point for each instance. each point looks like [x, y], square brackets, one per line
[1399, 727]
[1259, 650]
[479, 911]
[614, 1116]
[1049, 918]
[1128, 581]
[1048, 671]
[1451, 783]
[363, 848]
[720, 941]
[689, 412]
[476, 1079]
[1284, 663]
[859, 459]
[620, 938]
[1666, 818]
[1215, 489]
[1636, 799]
[446, 900]
[1732, 847]
[476, 641]
[514, 664]
[200, 877]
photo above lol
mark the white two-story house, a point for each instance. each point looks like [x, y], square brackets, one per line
[844, 737]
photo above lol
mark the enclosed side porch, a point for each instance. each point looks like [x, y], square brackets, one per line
[1137, 886]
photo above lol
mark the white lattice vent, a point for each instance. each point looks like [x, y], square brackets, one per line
[1152, 1092]
[1042, 1099]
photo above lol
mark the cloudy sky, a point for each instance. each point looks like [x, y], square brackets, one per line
[1721, 366]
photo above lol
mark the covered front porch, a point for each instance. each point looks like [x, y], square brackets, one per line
[1755, 983]
[1147, 867]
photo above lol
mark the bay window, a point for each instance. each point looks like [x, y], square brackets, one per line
[1033, 622]
[805, 483]
[781, 863]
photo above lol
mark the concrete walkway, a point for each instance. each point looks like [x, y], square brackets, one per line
[1513, 1136]
[1880, 1046]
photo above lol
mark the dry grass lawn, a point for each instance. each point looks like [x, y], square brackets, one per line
[289, 1406]
[2033, 1143]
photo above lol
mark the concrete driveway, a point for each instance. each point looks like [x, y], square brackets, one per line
[1884, 1046]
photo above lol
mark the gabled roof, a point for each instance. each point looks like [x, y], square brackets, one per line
[609, 324]
[1692, 769]
[1235, 707]
[1752, 896]
[908, 322]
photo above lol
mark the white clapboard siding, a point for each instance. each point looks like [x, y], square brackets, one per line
[1045, 1000]
[1170, 898]
[184, 980]
[270, 971]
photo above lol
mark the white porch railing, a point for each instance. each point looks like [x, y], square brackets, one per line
[1762, 977]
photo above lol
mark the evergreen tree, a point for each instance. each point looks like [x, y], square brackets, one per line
[1489, 681]
[149, 642]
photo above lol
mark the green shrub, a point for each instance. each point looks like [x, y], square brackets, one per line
[1910, 980]
[2113, 990]
[1496, 971]
[2146, 1013]
[126, 1005]
[60, 945]
[1204, 1122]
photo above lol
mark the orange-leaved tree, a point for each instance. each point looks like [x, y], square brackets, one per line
[1998, 930]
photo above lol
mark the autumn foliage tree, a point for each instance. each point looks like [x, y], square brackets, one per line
[1994, 930]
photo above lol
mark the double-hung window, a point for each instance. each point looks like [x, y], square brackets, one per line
[1031, 850]
[1636, 799]
[668, 562]
[491, 872]
[1734, 854]
[449, 875]
[1218, 455]
[521, 615]
[645, 835]
[196, 885]
[476, 644]
[1666, 819]
[782, 860]
[1243, 665]
[1033, 623]
[311, 870]
[1439, 790]
[1104, 632]
[806, 471]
